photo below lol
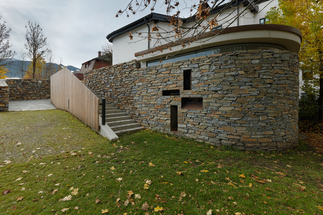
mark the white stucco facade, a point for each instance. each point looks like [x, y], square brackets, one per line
[124, 49]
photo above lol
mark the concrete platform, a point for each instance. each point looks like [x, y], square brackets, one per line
[30, 105]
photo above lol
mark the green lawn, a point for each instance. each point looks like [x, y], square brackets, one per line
[51, 163]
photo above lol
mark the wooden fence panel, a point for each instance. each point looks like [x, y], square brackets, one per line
[70, 94]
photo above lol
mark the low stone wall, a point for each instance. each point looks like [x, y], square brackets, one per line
[28, 89]
[245, 99]
[4, 96]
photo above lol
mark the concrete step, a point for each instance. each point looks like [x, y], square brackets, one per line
[107, 115]
[121, 122]
[117, 118]
[124, 126]
[129, 130]
[108, 111]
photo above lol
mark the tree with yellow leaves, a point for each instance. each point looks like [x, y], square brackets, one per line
[307, 16]
[3, 71]
[36, 73]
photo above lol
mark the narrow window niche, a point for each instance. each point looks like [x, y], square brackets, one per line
[173, 118]
[192, 103]
[170, 92]
[187, 79]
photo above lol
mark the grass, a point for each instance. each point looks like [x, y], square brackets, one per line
[145, 172]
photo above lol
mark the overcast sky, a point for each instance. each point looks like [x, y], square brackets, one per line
[76, 29]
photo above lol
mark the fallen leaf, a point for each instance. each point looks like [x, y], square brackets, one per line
[90, 153]
[130, 193]
[24, 171]
[119, 179]
[158, 209]
[126, 202]
[242, 176]
[183, 194]
[6, 192]
[230, 183]
[146, 186]
[64, 210]
[118, 199]
[179, 173]
[54, 191]
[75, 191]
[204, 170]
[14, 207]
[20, 198]
[66, 198]
[145, 206]
[151, 164]
[112, 168]
[18, 179]
[148, 181]
[97, 201]
[76, 208]
[137, 196]
[320, 208]
[237, 213]
[209, 212]
[105, 211]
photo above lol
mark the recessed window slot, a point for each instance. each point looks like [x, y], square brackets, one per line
[173, 118]
[187, 81]
[170, 92]
[192, 103]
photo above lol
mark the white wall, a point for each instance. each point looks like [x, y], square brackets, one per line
[124, 48]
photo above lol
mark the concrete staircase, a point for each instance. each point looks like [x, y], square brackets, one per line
[119, 121]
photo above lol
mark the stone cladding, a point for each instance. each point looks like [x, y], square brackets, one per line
[250, 98]
[4, 96]
[28, 89]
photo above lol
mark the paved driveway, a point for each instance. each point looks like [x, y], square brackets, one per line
[28, 105]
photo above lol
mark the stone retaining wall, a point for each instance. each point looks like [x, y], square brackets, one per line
[249, 98]
[28, 89]
[4, 96]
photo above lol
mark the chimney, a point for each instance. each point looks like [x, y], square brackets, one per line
[99, 53]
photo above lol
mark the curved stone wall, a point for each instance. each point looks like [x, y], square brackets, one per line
[246, 99]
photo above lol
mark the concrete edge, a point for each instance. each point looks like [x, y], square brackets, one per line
[106, 131]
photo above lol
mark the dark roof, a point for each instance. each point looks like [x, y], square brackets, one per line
[104, 57]
[156, 17]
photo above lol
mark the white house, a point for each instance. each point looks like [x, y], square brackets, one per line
[232, 14]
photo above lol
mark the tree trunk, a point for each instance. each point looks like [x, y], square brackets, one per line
[320, 100]
[34, 68]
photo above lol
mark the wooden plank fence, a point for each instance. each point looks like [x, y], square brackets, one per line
[69, 93]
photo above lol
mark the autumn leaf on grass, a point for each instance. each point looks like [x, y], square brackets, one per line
[64, 210]
[97, 201]
[158, 209]
[209, 212]
[75, 191]
[6, 192]
[148, 181]
[179, 173]
[320, 208]
[230, 183]
[66, 198]
[18, 179]
[137, 196]
[145, 206]
[54, 191]
[242, 176]
[105, 211]
[20, 198]
[151, 164]
[204, 170]
[146, 186]
[126, 203]
[112, 168]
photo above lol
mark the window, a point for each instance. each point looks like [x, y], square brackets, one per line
[217, 28]
[173, 118]
[187, 80]
[170, 92]
[192, 103]
[263, 21]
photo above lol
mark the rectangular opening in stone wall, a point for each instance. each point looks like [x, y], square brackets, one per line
[173, 118]
[192, 103]
[187, 81]
[170, 92]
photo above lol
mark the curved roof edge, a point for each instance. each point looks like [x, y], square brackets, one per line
[227, 31]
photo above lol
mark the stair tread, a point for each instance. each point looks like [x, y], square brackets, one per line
[124, 125]
[128, 130]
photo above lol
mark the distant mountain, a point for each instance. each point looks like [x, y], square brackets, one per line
[14, 66]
